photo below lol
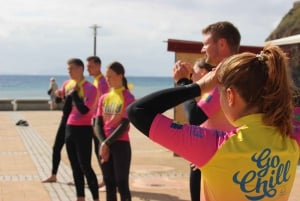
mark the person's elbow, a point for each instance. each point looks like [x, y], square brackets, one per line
[83, 109]
[134, 116]
[130, 110]
[125, 122]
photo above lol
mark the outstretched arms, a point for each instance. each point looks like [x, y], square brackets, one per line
[142, 112]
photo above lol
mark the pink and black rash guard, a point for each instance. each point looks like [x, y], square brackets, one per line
[112, 109]
[207, 111]
[102, 87]
[101, 84]
[84, 102]
[251, 162]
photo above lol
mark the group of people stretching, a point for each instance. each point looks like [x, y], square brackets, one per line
[242, 137]
[95, 112]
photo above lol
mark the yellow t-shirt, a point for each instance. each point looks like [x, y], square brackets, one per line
[253, 162]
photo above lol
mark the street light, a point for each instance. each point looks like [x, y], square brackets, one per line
[95, 27]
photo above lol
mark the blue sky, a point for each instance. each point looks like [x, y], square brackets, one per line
[38, 37]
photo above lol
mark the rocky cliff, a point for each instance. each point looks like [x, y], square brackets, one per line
[290, 25]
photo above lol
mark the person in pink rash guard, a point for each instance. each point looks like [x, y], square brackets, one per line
[60, 133]
[99, 81]
[221, 40]
[112, 129]
[79, 131]
[258, 159]
[199, 69]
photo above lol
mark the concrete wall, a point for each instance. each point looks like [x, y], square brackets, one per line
[6, 105]
[25, 104]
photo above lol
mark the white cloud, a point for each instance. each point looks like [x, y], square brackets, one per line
[37, 37]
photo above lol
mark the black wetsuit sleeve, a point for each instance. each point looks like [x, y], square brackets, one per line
[99, 129]
[194, 114]
[142, 112]
[117, 132]
[184, 81]
[82, 108]
[67, 108]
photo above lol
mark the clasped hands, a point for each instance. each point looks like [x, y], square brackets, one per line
[104, 152]
[184, 70]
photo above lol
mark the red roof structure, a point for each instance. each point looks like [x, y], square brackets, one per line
[175, 45]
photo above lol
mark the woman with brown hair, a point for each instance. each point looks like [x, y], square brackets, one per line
[255, 161]
[112, 129]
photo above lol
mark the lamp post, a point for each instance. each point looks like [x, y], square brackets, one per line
[95, 27]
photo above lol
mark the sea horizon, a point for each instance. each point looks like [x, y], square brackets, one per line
[25, 86]
[17, 74]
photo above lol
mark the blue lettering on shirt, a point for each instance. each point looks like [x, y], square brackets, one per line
[196, 131]
[176, 125]
[208, 98]
[261, 183]
[200, 132]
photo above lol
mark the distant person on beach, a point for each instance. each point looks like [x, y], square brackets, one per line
[221, 40]
[51, 92]
[197, 71]
[255, 161]
[94, 69]
[112, 129]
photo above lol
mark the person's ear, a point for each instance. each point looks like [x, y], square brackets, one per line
[222, 42]
[230, 95]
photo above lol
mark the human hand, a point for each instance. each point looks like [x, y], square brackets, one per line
[209, 81]
[74, 88]
[194, 167]
[181, 70]
[104, 152]
[59, 93]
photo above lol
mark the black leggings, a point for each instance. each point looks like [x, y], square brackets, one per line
[142, 112]
[96, 148]
[60, 135]
[195, 184]
[79, 149]
[116, 171]
[58, 145]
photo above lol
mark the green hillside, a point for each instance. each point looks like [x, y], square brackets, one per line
[290, 25]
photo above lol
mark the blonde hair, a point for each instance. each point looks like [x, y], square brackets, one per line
[263, 81]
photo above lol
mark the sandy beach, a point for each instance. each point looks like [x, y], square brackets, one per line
[25, 154]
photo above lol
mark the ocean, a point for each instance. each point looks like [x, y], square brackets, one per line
[36, 86]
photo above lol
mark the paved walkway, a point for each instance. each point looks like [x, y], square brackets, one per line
[25, 155]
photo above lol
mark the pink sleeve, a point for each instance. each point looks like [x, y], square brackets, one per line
[102, 86]
[296, 124]
[194, 143]
[91, 95]
[99, 106]
[211, 104]
[128, 98]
